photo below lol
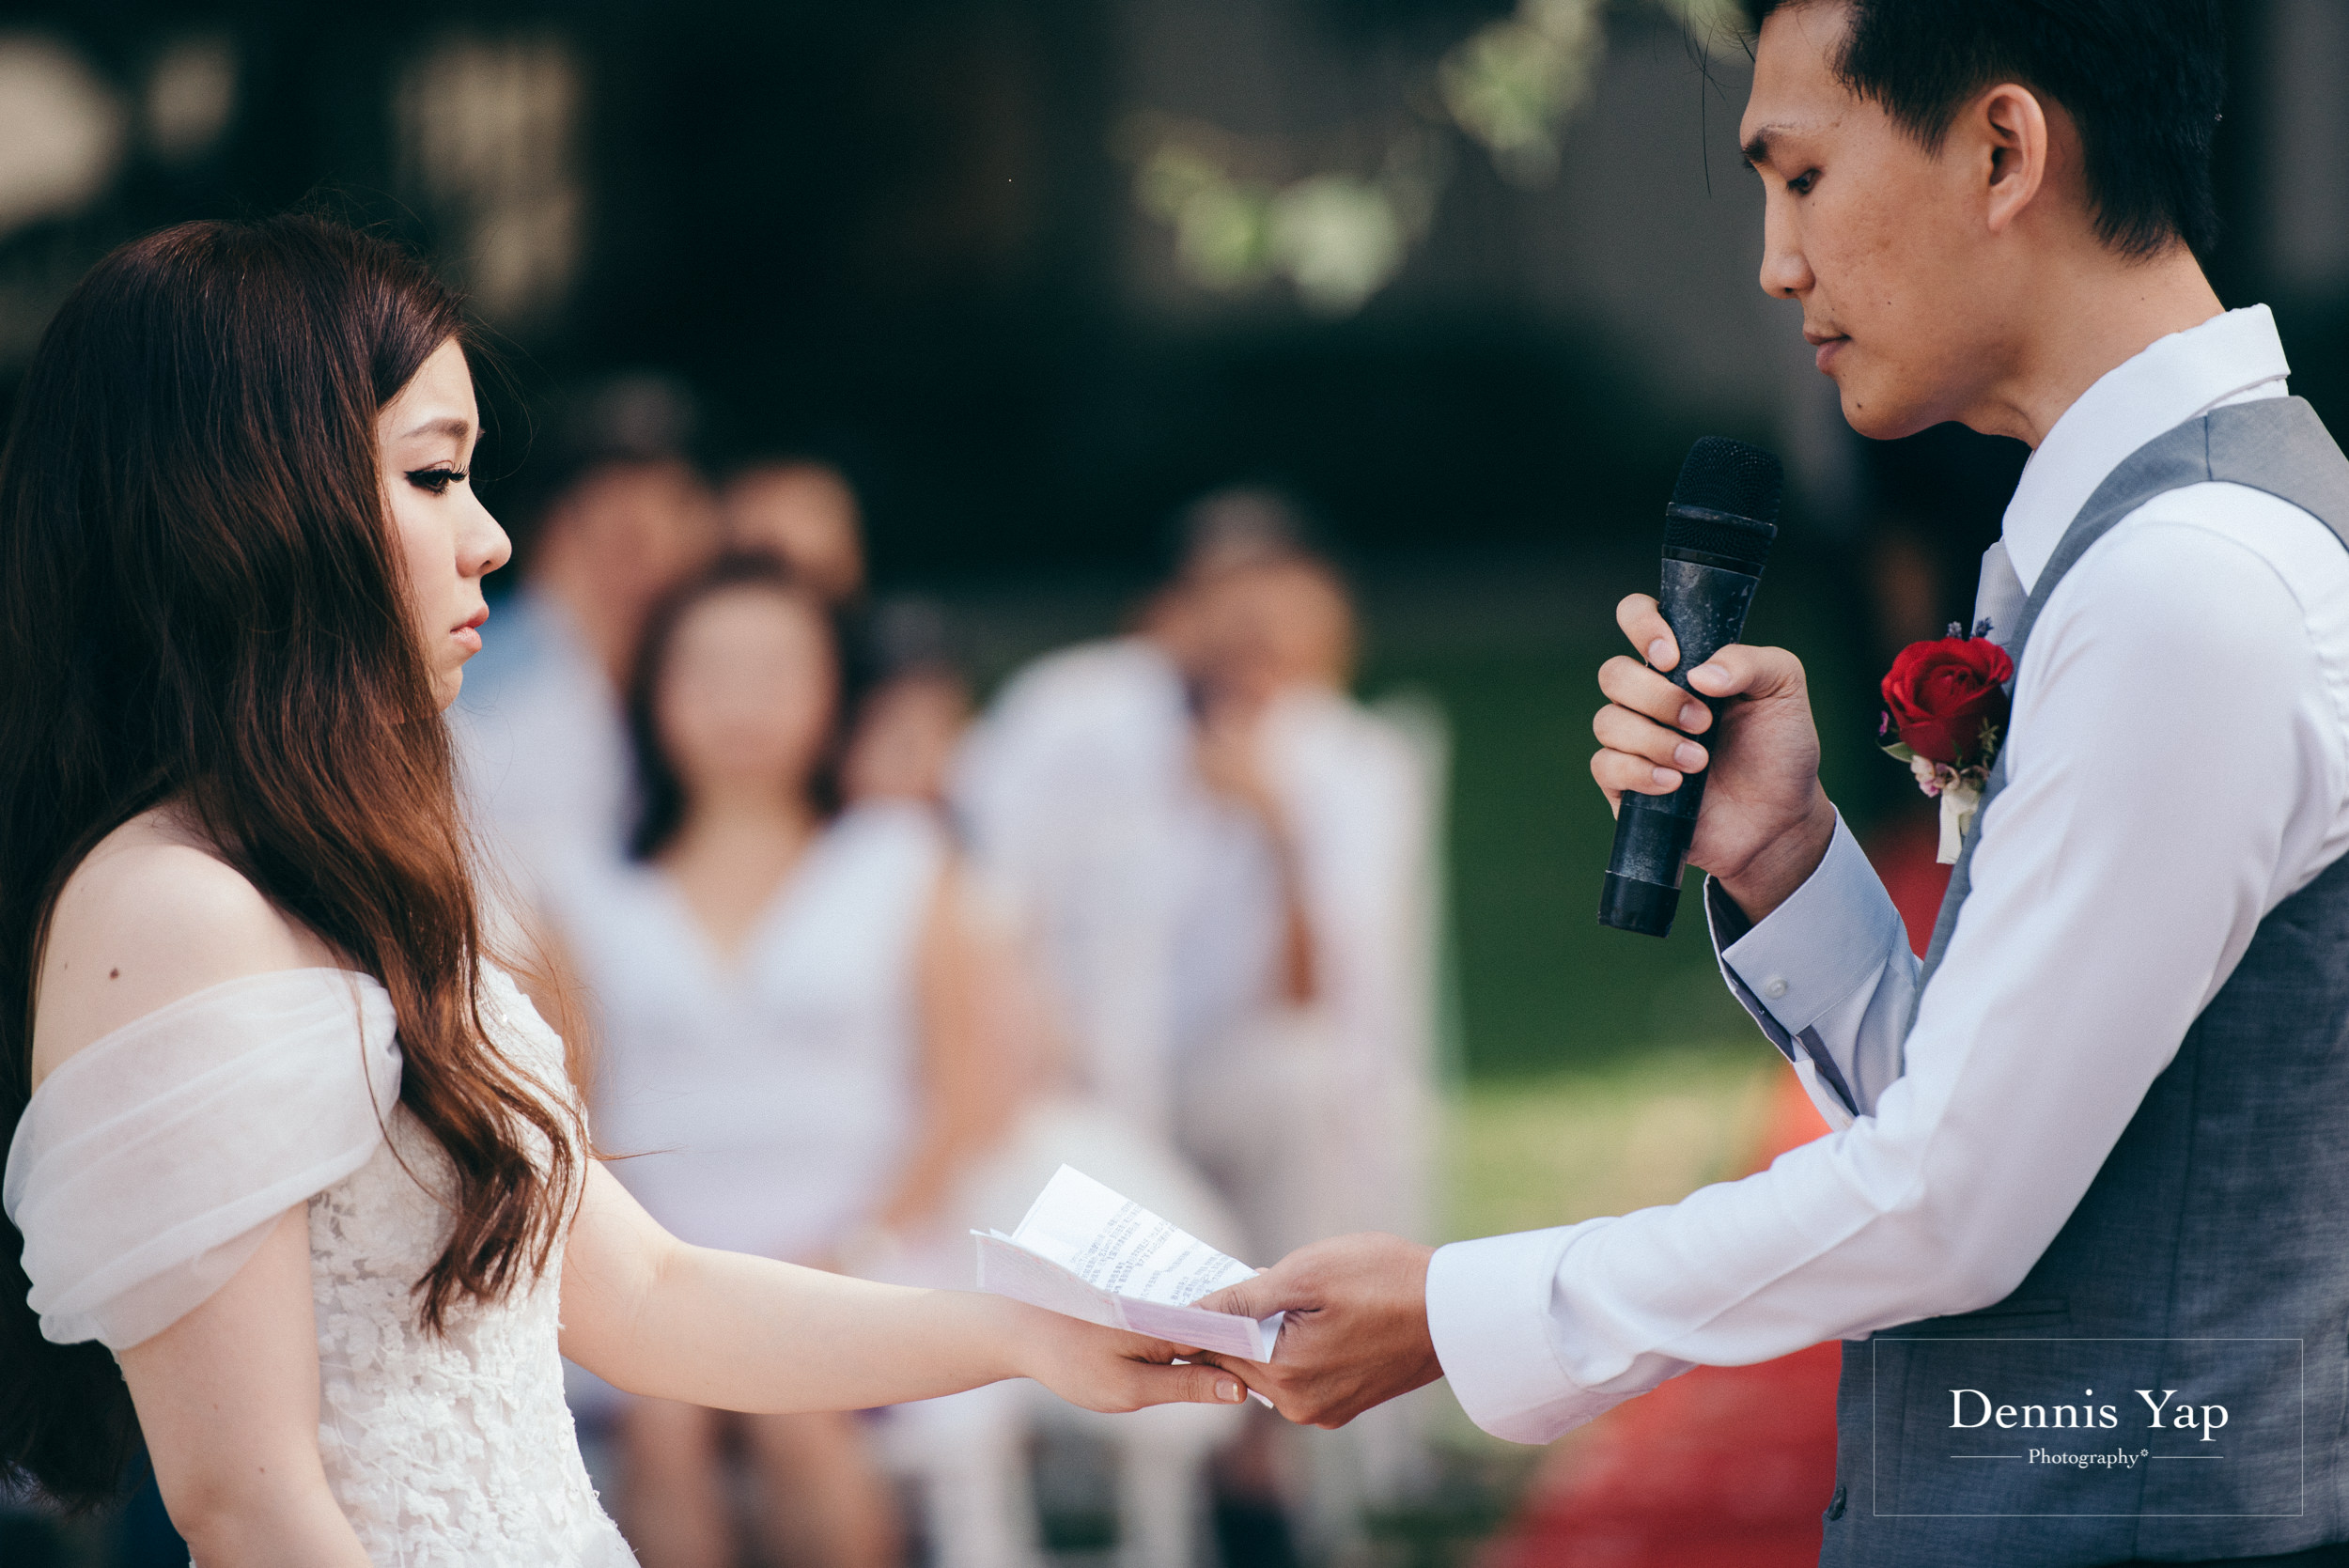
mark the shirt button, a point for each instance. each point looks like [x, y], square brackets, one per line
[1774, 988]
[1835, 1504]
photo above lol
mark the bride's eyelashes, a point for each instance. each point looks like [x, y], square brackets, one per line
[435, 480]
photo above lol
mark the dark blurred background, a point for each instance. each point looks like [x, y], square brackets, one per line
[1466, 279]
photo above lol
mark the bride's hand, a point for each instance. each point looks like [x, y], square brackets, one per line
[1108, 1368]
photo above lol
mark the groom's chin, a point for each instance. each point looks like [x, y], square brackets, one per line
[1878, 407]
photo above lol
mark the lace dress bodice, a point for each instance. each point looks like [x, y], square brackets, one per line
[454, 1449]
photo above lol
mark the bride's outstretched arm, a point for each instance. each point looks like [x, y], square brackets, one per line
[645, 1312]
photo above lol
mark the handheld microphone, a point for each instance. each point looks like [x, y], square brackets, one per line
[1717, 533]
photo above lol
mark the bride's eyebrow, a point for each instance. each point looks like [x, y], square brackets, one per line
[450, 424]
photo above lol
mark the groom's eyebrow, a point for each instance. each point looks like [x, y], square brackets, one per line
[1757, 148]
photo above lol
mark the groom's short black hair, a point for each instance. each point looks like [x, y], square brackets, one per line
[2142, 79]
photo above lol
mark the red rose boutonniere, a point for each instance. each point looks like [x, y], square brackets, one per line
[1945, 704]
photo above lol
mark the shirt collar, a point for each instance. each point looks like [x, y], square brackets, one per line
[2169, 381]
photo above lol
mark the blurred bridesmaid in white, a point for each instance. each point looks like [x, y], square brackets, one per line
[790, 1039]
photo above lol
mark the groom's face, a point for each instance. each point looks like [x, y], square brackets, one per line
[1874, 235]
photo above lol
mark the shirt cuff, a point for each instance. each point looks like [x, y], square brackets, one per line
[1489, 1307]
[1808, 954]
[1728, 925]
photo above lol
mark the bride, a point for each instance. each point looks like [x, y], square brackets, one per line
[284, 1141]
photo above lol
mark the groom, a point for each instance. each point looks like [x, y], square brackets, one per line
[2084, 1218]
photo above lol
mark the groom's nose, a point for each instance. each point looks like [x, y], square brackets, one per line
[1785, 269]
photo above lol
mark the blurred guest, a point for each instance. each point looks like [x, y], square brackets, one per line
[916, 702]
[805, 512]
[906, 734]
[1071, 790]
[1302, 1009]
[915, 710]
[1226, 861]
[540, 737]
[1210, 835]
[790, 1028]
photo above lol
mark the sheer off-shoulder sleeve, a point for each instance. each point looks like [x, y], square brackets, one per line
[149, 1166]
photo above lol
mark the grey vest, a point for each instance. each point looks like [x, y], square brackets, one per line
[2210, 1256]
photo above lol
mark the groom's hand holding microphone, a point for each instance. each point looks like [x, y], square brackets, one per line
[1753, 816]
[1766, 823]
[1356, 1334]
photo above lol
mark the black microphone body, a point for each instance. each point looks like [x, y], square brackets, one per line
[1717, 532]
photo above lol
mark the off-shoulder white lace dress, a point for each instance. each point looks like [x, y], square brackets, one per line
[152, 1164]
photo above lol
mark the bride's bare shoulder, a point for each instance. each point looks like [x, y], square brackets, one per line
[150, 915]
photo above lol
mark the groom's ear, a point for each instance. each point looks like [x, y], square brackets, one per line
[2008, 136]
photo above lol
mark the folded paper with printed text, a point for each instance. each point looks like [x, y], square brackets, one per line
[1084, 1252]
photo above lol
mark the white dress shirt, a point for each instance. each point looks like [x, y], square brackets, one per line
[2178, 765]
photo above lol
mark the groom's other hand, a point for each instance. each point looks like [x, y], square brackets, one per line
[1356, 1334]
[1765, 823]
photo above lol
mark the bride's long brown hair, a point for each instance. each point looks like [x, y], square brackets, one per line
[201, 602]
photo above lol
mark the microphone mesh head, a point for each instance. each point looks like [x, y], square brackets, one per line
[1724, 476]
[1726, 503]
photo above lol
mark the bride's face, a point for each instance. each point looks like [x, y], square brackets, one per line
[447, 539]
